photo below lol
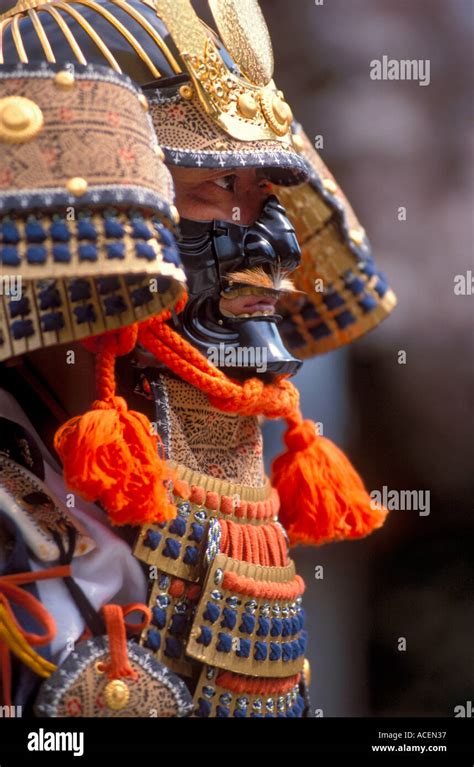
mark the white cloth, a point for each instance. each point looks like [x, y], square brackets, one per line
[109, 573]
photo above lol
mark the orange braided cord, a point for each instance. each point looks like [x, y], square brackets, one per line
[262, 545]
[252, 397]
[263, 589]
[238, 683]
[119, 665]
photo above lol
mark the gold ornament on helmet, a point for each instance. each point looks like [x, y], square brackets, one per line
[247, 106]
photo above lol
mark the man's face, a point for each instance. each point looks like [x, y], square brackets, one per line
[235, 195]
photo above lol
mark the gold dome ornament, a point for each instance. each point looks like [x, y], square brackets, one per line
[186, 92]
[64, 79]
[281, 110]
[277, 112]
[77, 186]
[116, 694]
[247, 105]
[20, 119]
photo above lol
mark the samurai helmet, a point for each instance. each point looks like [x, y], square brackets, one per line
[214, 104]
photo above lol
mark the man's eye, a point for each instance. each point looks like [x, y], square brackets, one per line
[226, 182]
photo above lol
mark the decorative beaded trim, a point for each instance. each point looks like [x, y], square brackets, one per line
[98, 242]
[285, 169]
[47, 70]
[50, 197]
[226, 499]
[214, 699]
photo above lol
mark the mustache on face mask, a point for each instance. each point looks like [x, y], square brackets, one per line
[257, 280]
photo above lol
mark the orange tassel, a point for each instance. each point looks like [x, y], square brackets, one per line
[322, 496]
[110, 453]
[109, 456]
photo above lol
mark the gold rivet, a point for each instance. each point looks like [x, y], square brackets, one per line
[298, 142]
[281, 110]
[64, 79]
[247, 105]
[330, 185]
[275, 111]
[15, 117]
[158, 151]
[186, 92]
[174, 214]
[307, 672]
[20, 119]
[219, 144]
[143, 101]
[357, 235]
[77, 186]
[116, 694]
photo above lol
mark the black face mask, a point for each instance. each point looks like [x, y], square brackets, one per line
[210, 252]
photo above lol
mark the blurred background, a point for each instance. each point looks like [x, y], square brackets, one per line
[405, 426]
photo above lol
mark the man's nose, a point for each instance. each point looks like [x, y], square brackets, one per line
[248, 205]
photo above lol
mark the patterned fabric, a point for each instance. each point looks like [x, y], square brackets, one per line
[190, 138]
[202, 438]
[96, 129]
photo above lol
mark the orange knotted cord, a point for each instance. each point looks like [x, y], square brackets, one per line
[119, 666]
[252, 397]
[259, 686]
[11, 593]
